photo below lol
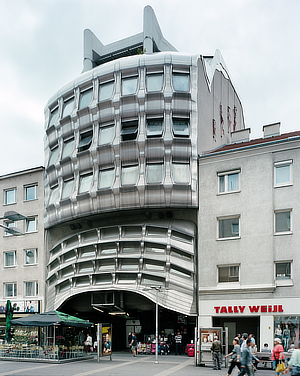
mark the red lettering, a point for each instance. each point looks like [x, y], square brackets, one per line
[235, 309]
[280, 309]
[230, 309]
[275, 308]
[217, 309]
[223, 310]
[263, 308]
[242, 308]
[254, 309]
[269, 308]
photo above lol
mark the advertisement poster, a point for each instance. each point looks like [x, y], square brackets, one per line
[207, 338]
[21, 306]
[106, 340]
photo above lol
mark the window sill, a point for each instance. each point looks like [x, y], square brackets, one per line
[35, 264]
[283, 233]
[10, 266]
[229, 238]
[284, 282]
[31, 232]
[283, 185]
[227, 193]
[33, 199]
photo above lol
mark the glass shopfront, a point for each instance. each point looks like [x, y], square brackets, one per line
[287, 329]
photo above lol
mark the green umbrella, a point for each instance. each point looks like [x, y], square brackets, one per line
[8, 314]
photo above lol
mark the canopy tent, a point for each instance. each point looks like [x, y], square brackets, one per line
[51, 318]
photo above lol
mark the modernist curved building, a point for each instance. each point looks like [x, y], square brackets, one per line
[121, 179]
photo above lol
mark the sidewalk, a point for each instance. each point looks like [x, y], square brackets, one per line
[122, 364]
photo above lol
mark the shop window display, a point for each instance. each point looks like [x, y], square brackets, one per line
[288, 330]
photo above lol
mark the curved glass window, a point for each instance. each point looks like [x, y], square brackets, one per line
[67, 189]
[106, 91]
[181, 128]
[154, 173]
[54, 195]
[85, 98]
[53, 117]
[154, 82]
[85, 183]
[181, 172]
[129, 85]
[68, 148]
[181, 82]
[129, 175]
[85, 141]
[68, 107]
[154, 128]
[106, 178]
[53, 156]
[106, 135]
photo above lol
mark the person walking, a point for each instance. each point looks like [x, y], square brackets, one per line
[178, 341]
[133, 344]
[81, 338]
[88, 343]
[277, 353]
[235, 356]
[294, 362]
[246, 364]
[216, 349]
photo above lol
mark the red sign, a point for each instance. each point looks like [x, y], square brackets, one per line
[249, 309]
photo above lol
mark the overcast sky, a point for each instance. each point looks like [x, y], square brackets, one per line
[41, 43]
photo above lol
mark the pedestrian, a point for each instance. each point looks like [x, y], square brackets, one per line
[88, 343]
[251, 337]
[81, 338]
[244, 339]
[294, 363]
[246, 364]
[178, 341]
[129, 340]
[133, 344]
[277, 353]
[235, 356]
[216, 349]
[253, 350]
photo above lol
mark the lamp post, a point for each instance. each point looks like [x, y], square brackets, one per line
[13, 216]
[157, 289]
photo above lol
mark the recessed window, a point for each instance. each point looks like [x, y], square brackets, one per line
[154, 82]
[283, 173]
[68, 188]
[106, 135]
[31, 257]
[229, 227]
[54, 194]
[85, 98]
[106, 91]
[68, 148]
[53, 155]
[31, 192]
[106, 178]
[10, 196]
[31, 288]
[283, 270]
[53, 117]
[32, 224]
[228, 273]
[154, 173]
[10, 290]
[154, 267]
[229, 181]
[129, 130]
[85, 183]
[9, 224]
[129, 85]
[85, 141]
[181, 173]
[68, 107]
[154, 127]
[129, 175]
[180, 272]
[181, 82]
[181, 127]
[283, 221]
[10, 259]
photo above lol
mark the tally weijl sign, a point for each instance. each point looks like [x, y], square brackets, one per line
[250, 309]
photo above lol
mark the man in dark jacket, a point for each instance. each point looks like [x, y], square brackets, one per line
[216, 349]
[246, 360]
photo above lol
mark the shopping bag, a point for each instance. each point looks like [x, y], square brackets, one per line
[280, 367]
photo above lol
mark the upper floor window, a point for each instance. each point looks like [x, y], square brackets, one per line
[85, 140]
[68, 107]
[181, 173]
[10, 290]
[85, 182]
[106, 178]
[154, 82]
[31, 224]
[129, 130]
[154, 127]
[10, 258]
[53, 116]
[129, 85]
[31, 288]
[9, 224]
[53, 155]
[10, 196]
[283, 221]
[229, 227]
[68, 188]
[228, 273]
[106, 90]
[181, 82]
[31, 192]
[283, 270]
[181, 127]
[85, 98]
[54, 195]
[68, 147]
[283, 173]
[129, 175]
[154, 173]
[31, 256]
[229, 181]
[106, 135]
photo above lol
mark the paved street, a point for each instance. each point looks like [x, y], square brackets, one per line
[122, 364]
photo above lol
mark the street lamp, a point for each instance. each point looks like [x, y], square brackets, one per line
[14, 217]
[157, 289]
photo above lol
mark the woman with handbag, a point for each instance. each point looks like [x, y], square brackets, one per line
[234, 356]
[294, 363]
[278, 356]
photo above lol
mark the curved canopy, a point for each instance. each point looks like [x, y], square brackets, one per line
[51, 318]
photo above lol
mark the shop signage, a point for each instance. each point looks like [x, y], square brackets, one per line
[250, 309]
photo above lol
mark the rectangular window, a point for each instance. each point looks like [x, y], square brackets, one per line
[129, 130]
[10, 259]
[106, 135]
[68, 107]
[31, 192]
[53, 155]
[31, 288]
[283, 221]
[31, 257]
[10, 196]
[85, 140]
[283, 270]
[53, 117]
[67, 189]
[106, 178]
[31, 224]
[10, 290]
[154, 127]
[68, 147]
[154, 82]
[106, 91]
[229, 227]
[129, 175]
[229, 181]
[129, 85]
[181, 127]
[283, 173]
[181, 82]
[85, 183]
[228, 273]
[154, 173]
[85, 98]
[181, 173]
[9, 225]
[54, 195]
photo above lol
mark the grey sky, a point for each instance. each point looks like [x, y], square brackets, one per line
[41, 44]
